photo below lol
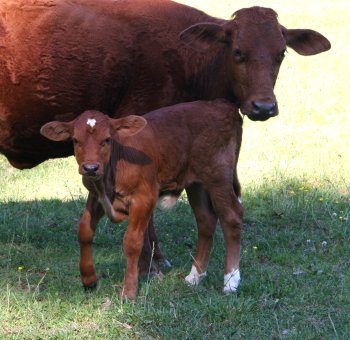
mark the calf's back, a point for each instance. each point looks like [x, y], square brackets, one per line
[185, 143]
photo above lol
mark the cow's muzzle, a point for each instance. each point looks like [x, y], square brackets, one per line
[262, 110]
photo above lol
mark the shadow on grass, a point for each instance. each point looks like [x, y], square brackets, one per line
[294, 258]
[41, 234]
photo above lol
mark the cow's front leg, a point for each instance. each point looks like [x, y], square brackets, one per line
[86, 231]
[139, 217]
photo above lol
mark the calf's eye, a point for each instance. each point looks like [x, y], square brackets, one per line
[106, 141]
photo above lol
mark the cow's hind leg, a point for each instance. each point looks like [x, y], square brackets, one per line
[230, 213]
[206, 221]
[86, 231]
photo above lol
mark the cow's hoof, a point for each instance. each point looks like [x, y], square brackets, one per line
[167, 264]
[194, 278]
[156, 275]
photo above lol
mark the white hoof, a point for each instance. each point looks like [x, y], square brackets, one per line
[231, 281]
[194, 278]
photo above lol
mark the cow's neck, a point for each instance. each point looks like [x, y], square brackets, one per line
[206, 76]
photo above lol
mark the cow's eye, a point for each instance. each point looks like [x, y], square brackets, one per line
[75, 141]
[237, 53]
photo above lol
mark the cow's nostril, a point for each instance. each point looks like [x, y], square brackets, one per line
[264, 108]
[89, 168]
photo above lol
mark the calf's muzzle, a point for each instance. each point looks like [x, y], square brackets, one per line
[90, 169]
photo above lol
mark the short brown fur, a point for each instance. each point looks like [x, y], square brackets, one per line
[177, 149]
[59, 58]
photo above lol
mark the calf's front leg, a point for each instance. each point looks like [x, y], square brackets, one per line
[140, 214]
[86, 231]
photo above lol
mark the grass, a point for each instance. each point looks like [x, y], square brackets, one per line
[295, 262]
[295, 267]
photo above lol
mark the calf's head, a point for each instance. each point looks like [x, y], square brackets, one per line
[254, 44]
[92, 133]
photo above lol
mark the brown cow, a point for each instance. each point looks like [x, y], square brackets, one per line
[59, 58]
[192, 145]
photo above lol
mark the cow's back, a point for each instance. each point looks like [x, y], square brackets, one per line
[62, 53]
[59, 58]
[86, 53]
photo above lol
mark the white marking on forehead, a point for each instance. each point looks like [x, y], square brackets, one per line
[91, 122]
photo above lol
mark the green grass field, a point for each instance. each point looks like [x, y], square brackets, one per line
[295, 264]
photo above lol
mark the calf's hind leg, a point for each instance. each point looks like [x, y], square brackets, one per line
[230, 213]
[151, 253]
[86, 231]
[206, 223]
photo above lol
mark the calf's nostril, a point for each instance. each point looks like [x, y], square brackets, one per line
[90, 167]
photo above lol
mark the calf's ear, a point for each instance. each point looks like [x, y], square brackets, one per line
[203, 36]
[306, 42]
[57, 131]
[127, 126]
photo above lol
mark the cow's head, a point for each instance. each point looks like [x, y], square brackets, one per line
[92, 133]
[255, 44]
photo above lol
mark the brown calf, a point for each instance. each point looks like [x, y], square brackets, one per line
[128, 163]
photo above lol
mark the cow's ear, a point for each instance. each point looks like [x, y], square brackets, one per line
[57, 131]
[127, 126]
[306, 42]
[203, 36]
